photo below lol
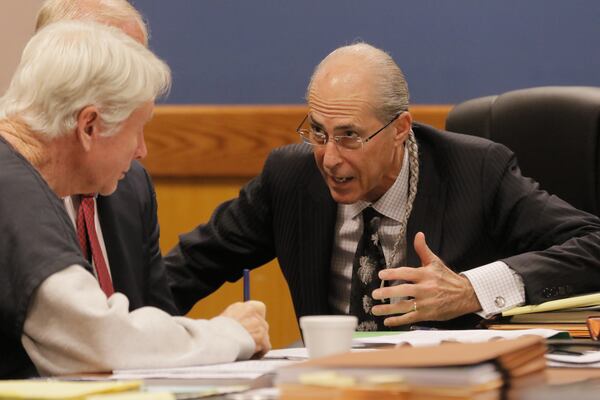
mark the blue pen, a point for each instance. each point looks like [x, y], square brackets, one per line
[246, 284]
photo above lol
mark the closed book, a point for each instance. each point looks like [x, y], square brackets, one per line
[448, 371]
[553, 317]
[575, 330]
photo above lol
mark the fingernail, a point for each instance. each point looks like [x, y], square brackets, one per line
[375, 294]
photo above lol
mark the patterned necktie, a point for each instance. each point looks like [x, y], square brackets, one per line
[368, 261]
[88, 240]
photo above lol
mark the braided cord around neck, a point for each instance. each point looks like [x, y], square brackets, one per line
[413, 180]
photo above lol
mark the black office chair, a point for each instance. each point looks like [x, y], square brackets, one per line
[554, 131]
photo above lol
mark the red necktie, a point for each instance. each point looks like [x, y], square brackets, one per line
[86, 233]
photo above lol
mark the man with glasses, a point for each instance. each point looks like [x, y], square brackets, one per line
[390, 220]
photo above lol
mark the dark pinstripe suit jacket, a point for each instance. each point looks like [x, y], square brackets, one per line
[130, 229]
[472, 203]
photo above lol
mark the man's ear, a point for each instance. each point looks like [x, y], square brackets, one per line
[403, 125]
[88, 126]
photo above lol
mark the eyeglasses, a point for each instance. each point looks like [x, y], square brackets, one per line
[352, 141]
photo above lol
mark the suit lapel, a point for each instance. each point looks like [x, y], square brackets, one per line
[120, 238]
[428, 209]
[316, 225]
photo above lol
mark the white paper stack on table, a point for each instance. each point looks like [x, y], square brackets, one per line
[251, 369]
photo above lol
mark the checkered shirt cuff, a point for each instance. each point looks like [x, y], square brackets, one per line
[498, 288]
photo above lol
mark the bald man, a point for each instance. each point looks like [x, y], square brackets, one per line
[391, 220]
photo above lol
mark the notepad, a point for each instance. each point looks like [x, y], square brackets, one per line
[436, 337]
[250, 369]
[562, 304]
[50, 390]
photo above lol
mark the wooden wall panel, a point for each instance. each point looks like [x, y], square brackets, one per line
[200, 156]
[230, 141]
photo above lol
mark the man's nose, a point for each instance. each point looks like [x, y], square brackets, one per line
[331, 156]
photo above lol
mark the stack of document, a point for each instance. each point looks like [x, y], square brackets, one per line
[449, 371]
[250, 369]
[568, 315]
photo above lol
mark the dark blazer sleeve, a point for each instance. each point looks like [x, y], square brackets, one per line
[557, 246]
[237, 236]
[475, 207]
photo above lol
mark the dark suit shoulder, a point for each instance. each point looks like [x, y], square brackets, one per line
[135, 189]
[452, 141]
[290, 156]
[137, 181]
[290, 166]
[448, 150]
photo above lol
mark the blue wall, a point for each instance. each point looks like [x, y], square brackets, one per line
[263, 51]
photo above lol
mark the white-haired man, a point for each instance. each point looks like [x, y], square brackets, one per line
[345, 211]
[126, 221]
[73, 124]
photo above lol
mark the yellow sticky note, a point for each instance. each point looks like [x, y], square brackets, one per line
[133, 396]
[50, 390]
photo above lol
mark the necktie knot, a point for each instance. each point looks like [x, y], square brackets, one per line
[87, 204]
[371, 219]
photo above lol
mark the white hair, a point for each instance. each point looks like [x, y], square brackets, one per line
[103, 11]
[69, 65]
[390, 87]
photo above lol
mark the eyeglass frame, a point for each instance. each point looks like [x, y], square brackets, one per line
[337, 138]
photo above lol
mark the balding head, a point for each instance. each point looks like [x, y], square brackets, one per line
[117, 13]
[362, 66]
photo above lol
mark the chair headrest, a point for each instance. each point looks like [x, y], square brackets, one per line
[554, 131]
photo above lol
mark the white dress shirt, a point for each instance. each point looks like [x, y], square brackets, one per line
[497, 287]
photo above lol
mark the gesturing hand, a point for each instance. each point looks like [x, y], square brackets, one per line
[251, 315]
[437, 292]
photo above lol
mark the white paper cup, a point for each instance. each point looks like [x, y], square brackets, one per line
[327, 334]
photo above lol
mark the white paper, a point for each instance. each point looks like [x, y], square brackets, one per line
[557, 364]
[237, 370]
[435, 337]
[590, 359]
[300, 353]
[294, 353]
